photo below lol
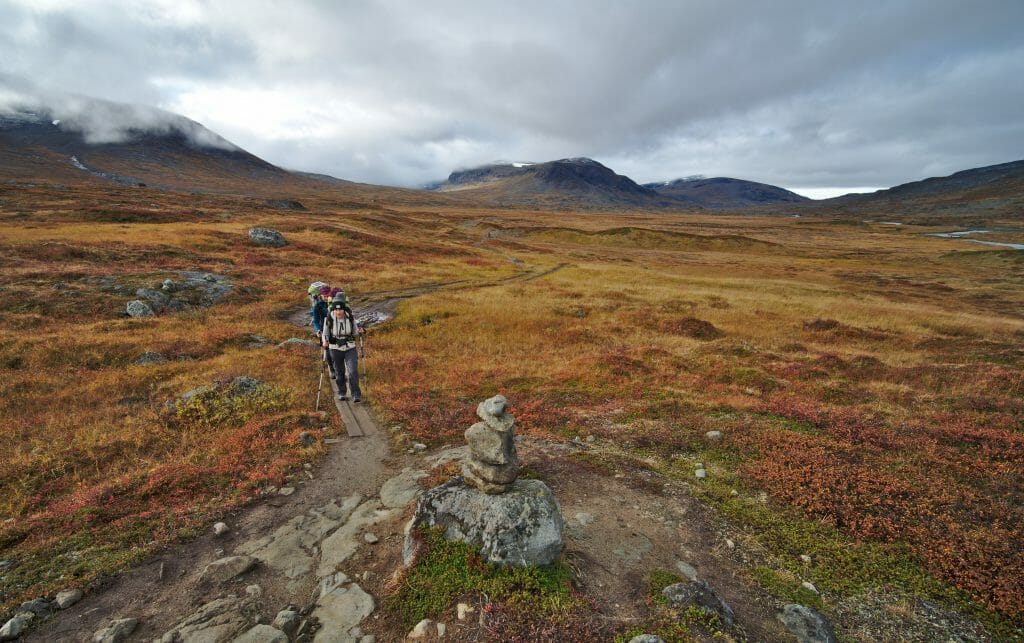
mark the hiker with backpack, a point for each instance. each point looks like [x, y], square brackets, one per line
[319, 312]
[320, 309]
[339, 334]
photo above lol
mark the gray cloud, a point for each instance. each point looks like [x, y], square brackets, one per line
[796, 93]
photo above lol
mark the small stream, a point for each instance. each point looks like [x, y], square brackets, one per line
[962, 235]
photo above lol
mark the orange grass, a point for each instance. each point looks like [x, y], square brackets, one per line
[867, 375]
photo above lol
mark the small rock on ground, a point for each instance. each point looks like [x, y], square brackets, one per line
[584, 519]
[686, 569]
[262, 634]
[807, 624]
[699, 594]
[421, 629]
[286, 491]
[38, 606]
[224, 569]
[267, 237]
[117, 631]
[370, 538]
[13, 628]
[139, 308]
[68, 598]
[219, 529]
[463, 609]
[646, 638]
[287, 621]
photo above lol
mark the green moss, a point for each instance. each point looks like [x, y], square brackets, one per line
[787, 588]
[658, 580]
[448, 570]
[212, 407]
[669, 630]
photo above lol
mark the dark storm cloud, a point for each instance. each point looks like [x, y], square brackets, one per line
[805, 94]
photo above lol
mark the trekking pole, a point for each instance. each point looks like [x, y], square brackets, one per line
[362, 355]
[320, 386]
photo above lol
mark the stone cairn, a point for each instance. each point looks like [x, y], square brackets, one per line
[509, 521]
[493, 463]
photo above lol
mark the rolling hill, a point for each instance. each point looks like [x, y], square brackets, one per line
[993, 190]
[724, 192]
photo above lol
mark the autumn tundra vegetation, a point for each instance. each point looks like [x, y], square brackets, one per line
[865, 379]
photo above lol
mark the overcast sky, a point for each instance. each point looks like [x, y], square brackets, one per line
[807, 95]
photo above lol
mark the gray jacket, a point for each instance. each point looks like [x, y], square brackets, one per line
[340, 333]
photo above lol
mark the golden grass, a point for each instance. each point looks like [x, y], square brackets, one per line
[869, 346]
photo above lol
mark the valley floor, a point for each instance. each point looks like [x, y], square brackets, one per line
[852, 391]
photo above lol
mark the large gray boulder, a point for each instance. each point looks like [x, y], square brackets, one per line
[522, 526]
[807, 624]
[267, 237]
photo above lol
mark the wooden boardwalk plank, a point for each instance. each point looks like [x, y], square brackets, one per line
[352, 426]
[362, 414]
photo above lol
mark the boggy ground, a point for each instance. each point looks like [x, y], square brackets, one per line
[866, 381]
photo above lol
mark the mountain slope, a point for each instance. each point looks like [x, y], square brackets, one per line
[577, 183]
[724, 192]
[179, 154]
[968, 197]
[103, 143]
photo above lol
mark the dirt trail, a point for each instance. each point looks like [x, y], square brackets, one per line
[379, 305]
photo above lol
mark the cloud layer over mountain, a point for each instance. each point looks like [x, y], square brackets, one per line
[794, 93]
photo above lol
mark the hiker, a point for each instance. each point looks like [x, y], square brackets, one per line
[314, 292]
[339, 337]
[320, 309]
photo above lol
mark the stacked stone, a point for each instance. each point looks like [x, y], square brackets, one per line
[509, 521]
[493, 463]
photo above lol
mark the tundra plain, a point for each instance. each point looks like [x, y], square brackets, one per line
[866, 379]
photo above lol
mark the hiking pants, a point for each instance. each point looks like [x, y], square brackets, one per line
[346, 361]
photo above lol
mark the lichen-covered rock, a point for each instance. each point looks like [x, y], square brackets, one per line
[262, 634]
[139, 308]
[522, 526]
[296, 341]
[493, 463]
[698, 594]
[13, 628]
[156, 298]
[119, 630]
[226, 568]
[68, 598]
[219, 620]
[150, 357]
[807, 624]
[267, 237]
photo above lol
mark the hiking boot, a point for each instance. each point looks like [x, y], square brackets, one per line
[342, 397]
[357, 400]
